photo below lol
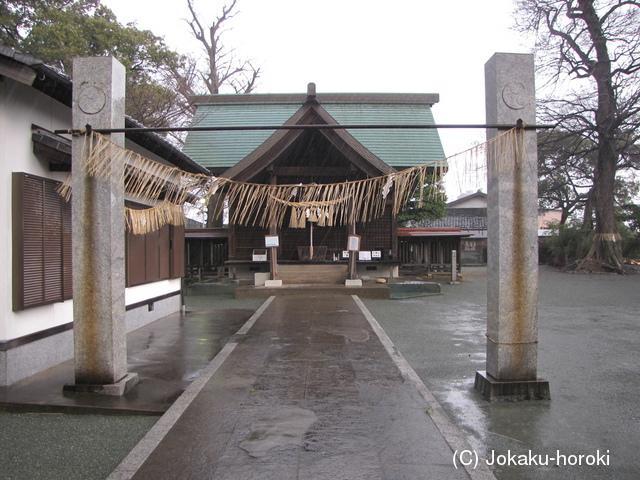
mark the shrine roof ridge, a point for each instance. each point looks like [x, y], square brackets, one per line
[300, 98]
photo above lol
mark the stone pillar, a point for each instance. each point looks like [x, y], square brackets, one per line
[512, 270]
[454, 266]
[100, 340]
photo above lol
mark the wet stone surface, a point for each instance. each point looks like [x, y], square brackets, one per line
[588, 351]
[283, 426]
[352, 333]
[167, 355]
[326, 402]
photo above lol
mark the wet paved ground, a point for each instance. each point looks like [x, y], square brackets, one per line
[56, 446]
[51, 440]
[167, 355]
[589, 339]
[589, 331]
[308, 392]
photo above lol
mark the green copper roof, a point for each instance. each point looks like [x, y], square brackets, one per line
[223, 149]
[395, 147]
[219, 150]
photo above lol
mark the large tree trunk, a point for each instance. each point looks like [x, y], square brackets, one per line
[605, 248]
[606, 245]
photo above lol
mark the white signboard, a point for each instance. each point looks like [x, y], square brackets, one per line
[259, 255]
[271, 241]
[366, 255]
[354, 243]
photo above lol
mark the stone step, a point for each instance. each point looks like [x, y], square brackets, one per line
[312, 274]
[367, 290]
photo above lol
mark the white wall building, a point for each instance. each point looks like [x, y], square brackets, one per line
[35, 100]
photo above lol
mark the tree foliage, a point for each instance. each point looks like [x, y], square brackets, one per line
[428, 202]
[56, 31]
[17, 17]
[569, 240]
[629, 221]
[573, 242]
[588, 53]
[630, 214]
[566, 166]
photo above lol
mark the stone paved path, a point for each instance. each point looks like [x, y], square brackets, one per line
[306, 390]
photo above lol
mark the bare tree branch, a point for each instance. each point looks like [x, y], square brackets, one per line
[589, 54]
[222, 66]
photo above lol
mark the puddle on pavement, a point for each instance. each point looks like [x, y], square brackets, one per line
[285, 426]
[352, 333]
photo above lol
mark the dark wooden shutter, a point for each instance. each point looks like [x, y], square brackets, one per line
[67, 252]
[164, 259]
[52, 246]
[155, 256]
[177, 255]
[41, 232]
[136, 261]
[30, 263]
[152, 256]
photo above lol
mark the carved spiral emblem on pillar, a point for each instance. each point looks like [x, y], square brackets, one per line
[514, 95]
[91, 99]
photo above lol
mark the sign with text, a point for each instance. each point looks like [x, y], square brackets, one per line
[271, 241]
[364, 256]
[354, 243]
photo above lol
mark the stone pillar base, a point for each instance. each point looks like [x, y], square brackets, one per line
[511, 391]
[353, 283]
[117, 389]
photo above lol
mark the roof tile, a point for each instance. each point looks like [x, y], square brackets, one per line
[398, 148]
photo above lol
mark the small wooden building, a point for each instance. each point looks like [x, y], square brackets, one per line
[467, 213]
[314, 155]
[430, 248]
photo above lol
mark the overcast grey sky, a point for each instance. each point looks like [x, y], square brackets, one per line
[402, 46]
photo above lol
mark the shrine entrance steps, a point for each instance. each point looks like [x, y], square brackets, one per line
[323, 273]
[367, 290]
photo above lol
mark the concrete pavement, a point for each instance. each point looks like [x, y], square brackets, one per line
[167, 355]
[310, 388]
[589, 331]
[589, 339]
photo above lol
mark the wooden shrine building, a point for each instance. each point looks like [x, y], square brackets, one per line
[313, 156]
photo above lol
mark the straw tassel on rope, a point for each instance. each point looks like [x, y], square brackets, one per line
[261, 204]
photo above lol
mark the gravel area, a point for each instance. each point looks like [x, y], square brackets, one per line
[66, 447]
